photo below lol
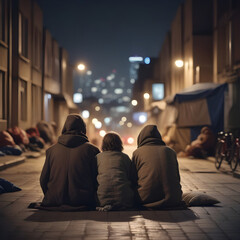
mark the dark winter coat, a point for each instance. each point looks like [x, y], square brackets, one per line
[158, 179]
[70, 170]
[115, 186]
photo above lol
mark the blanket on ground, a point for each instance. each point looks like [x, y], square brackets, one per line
[6, 186]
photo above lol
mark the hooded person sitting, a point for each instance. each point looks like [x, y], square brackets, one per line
[69, 173]
[157, 172]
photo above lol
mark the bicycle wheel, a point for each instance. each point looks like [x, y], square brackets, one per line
[235, 158]
[218, 155]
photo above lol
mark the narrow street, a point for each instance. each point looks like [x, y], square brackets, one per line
[215, 222]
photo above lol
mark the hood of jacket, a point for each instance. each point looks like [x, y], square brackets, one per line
[73, 132]
[150, 135]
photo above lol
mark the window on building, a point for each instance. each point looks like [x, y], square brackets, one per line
[37, 48]
[3, 21]
[23, 100]
[23, 35]
[48, 107]
[2, 95]
[36, 104]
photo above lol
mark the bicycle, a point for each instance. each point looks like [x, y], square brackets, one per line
[224, 148]
[235, 160]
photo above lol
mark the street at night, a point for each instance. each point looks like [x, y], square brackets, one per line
[220, 221]
[119, 119]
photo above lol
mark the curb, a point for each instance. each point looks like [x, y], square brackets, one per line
[8, 161]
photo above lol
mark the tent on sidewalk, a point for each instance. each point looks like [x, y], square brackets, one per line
[188, 111]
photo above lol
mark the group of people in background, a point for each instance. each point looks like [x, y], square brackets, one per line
[15, 140]
[77, 173]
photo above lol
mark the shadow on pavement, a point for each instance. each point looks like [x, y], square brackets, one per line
[113, 216]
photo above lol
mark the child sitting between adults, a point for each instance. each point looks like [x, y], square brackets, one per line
[115, 190]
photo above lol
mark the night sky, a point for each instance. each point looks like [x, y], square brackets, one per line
[104, 33]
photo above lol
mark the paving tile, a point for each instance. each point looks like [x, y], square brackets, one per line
[217, 222]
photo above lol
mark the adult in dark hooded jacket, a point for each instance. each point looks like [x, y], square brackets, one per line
[156, 167]
[69, 174]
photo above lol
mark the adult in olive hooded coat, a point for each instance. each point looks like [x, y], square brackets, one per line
[156, 167]
[69, 174]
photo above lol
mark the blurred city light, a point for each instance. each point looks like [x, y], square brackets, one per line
[85, 114]
[179, 63]
[89, 73]
[98, 124]
[102, 133]
[118, 91]
[107, 120]
[146, 95]
[129, 124]
[130, 140]
[77, 98]
[135, 59]
[147, 60]
[81, 67]
[132, 80]
[97, 108]
[142, 118]
[94, 121]
[134, 102]
[100, 101]
[158, 91]
[104, 91]
[93, 89]
[121, 123]
[124, 119]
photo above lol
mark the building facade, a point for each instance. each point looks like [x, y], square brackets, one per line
[205, 36]
[33, 69]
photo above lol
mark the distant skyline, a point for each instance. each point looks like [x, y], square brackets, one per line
[105, 33]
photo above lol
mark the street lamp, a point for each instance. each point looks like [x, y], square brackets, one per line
[146, 95]
[134, 102]
[81, 67]
[179, 63]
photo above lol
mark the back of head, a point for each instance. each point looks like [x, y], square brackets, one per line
[149, 135]
[112, 142]
[73, 132]
[74, 124]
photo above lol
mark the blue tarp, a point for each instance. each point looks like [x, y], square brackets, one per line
[214, 94]
[200, 90]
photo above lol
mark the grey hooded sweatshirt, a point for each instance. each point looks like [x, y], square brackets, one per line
[156, 167]
[69, 173]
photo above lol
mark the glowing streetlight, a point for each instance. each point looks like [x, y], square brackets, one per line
[81, 67]
[146, 95]
[130, 140]
[134, 102]
[179, 63]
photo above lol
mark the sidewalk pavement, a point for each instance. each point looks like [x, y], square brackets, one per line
[11, 160]
[221, 221]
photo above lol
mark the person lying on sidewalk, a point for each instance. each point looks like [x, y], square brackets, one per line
[156, 170]
[69, 173]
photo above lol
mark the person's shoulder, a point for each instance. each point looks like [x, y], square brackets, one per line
[91, 146]
[124, 155]
[169, 150]
[52, 147]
